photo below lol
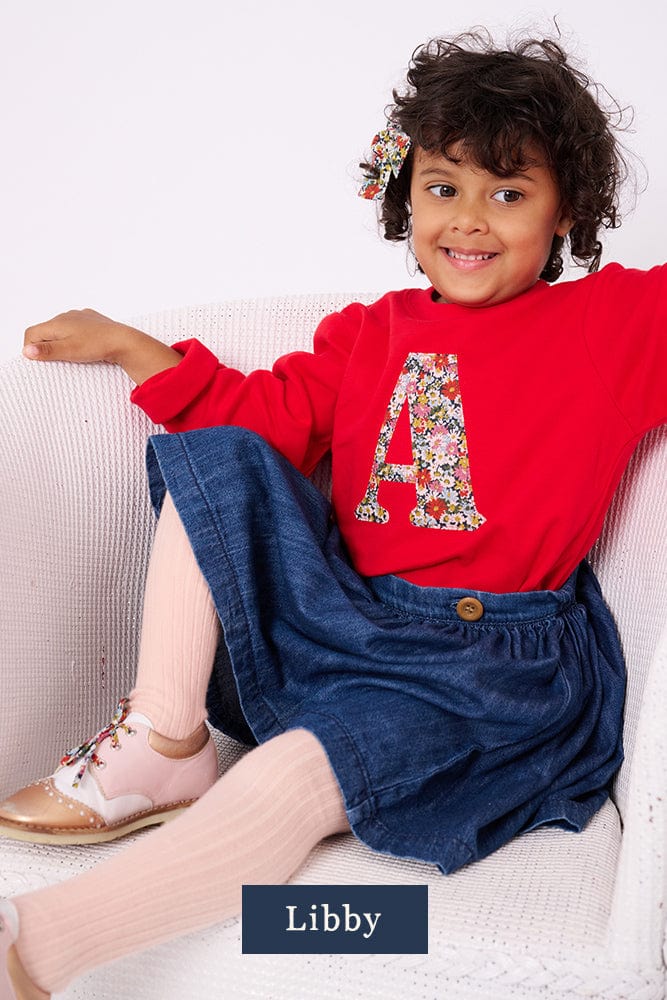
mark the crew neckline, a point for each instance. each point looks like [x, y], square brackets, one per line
[421, 304]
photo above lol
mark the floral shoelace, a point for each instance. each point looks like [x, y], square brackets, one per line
[87, 752]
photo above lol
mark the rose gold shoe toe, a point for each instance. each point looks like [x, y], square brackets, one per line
[42, 809]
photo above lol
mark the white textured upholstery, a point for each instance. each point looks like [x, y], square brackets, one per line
[551, 915]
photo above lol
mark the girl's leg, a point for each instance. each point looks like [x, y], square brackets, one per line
[179, 634]
[255, 826]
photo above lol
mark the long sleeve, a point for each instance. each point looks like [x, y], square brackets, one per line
[292, 406]
[625, 329]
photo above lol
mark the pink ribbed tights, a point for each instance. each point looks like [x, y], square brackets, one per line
[257, 824]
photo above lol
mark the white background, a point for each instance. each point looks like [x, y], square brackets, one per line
[158, 153]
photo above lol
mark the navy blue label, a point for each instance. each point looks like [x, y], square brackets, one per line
[335, 919]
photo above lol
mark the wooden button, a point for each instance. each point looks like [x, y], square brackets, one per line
[470, 609]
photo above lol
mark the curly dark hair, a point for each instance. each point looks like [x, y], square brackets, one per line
[493, 106]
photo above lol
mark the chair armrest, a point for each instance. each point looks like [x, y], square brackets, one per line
[75, 533]
[638, 924]
[631, 560]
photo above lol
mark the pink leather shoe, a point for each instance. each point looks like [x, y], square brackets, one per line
[124, 778]
[14, 982]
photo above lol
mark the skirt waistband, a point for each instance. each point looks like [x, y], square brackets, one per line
[474, 606]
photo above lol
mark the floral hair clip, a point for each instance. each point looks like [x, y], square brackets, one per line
[389, 149]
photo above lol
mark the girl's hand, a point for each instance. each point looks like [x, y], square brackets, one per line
[84, 335]
[81, 335]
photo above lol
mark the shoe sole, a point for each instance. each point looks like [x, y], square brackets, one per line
[94, 836]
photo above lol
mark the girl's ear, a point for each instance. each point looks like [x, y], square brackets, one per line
[564, 224]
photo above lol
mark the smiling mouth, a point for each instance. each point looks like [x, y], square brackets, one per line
[457, 255]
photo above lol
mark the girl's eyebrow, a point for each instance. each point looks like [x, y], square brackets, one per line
[445, 172]
[433, 171]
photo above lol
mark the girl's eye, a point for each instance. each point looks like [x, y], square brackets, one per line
[508, 196]
[442, 190]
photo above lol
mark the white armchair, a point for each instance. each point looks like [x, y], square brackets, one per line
[551, 915]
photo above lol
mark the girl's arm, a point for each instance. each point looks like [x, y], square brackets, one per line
[292, 405]
[83, 335]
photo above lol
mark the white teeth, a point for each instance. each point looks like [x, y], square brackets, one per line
[470, 256]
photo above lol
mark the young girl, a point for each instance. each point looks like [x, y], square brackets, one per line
[428, 661]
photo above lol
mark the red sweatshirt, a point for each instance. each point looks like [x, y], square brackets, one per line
[471, 447]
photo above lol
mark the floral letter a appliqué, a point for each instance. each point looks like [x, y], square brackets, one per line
[441, 467]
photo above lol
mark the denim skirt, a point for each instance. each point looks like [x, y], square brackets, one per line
[447, 736]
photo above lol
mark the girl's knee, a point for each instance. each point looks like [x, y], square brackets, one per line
[293, 768]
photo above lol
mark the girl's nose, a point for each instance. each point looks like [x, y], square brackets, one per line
[468, 218]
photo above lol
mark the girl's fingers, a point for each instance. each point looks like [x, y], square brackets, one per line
[63, 338]
[54, 340]
[38, 332]
[47, 350]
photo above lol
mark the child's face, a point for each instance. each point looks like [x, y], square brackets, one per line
[482, 239]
